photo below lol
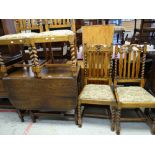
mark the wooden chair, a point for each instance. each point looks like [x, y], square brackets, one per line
[30, 26]
[130, 70]
[97, 66]
[60, 27]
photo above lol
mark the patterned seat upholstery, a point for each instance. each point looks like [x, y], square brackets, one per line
[19, 36]
[134, 94]
[97, 92]
[56, 33]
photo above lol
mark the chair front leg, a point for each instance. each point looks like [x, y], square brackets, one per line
[20, 114]
[76, 115]
[32, 117]
[79, 115]
[118, 115]
[113, 116]
[153, 127]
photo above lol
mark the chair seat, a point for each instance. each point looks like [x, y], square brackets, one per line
[18, 36]
[134, 94]
[97, 92]
[56, 33]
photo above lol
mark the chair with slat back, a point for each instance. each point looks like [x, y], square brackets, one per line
[130, 69]
[98, 67]
[60, 28]
[28, 24]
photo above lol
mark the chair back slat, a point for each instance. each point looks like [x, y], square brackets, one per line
[102, 64]
[124, 65]
[121, 65]
[28, 24]
[97, 60]
[133, 65]
[129, 64]
[98, 64]
[59, 23]
[138, 64]
[90, 63]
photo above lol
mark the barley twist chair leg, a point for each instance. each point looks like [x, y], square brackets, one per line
[32, 117]
[76, 116]
[153, 128]
[118, 114]
[113, 115]
[79, 115]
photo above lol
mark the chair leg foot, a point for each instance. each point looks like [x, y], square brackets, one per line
[118, 128]
[79, 115]
[113, 113]
[153, 128]
[19, 112]
[76, 116]
[32, 117]
[118, 132]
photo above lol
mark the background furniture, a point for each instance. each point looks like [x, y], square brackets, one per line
[11, 55]
[146, 32]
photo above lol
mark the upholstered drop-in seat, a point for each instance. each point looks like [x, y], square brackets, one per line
[134, 94]
[36, 35]
[56, 33]
[97, 92]
[19, 36]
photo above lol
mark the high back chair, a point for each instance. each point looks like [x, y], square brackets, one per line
[130, 69]
[97, 66]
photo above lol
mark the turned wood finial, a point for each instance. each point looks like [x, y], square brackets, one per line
[40, 25]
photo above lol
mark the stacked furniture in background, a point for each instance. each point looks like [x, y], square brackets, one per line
[146, 32]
